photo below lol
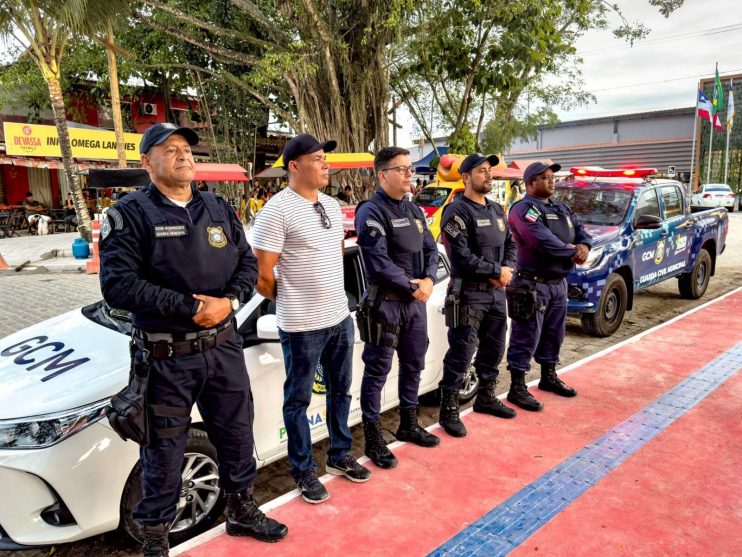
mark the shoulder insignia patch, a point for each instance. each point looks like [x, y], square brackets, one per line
[117, 221]
[532, 215]
[105, 229]
[451, 230]
[458, 220]
[375, 225]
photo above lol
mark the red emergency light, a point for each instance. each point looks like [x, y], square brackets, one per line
[598, 172]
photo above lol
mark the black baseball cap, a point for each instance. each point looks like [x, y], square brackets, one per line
[536, 168]
[475, 159]
[159, 133]
[303, 144]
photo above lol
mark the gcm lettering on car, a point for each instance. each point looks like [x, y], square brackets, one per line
[57, 363]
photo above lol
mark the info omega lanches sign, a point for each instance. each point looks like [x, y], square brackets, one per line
[32, 140]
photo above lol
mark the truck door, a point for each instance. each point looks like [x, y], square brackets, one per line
[647, 242]
[679, 225]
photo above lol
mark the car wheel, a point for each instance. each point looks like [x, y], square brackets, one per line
[694, 284]
[611, 309]
[201, 501]
[469, 385]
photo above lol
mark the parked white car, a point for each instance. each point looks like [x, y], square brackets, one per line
[65, 475]
[713, 195]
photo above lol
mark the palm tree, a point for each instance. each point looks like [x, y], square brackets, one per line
[43, 28]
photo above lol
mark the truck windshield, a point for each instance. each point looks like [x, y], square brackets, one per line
[605, 207]
[432, 197]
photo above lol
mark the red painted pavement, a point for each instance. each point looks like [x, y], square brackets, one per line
[680, 494]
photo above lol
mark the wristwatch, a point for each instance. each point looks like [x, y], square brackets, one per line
[234, 302]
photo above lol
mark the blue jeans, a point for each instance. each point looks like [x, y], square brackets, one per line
[302, 351]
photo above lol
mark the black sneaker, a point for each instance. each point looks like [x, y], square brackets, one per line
[348, 466]
[312, 490]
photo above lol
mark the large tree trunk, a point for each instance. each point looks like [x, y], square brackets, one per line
[73, 179]
[118, 124]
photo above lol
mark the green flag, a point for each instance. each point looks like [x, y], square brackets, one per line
[718, 101]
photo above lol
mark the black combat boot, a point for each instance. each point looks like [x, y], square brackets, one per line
[375, 448]
[488, 403]
[449, 413]
[519, 394]
[244, 518]
[550, 382]
[155, 540]
[409, 429]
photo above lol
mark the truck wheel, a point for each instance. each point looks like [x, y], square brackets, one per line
[694, 284]
[612, 308]
[202, 502]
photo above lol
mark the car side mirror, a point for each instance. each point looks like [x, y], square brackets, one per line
[267, 327]
[648, 222]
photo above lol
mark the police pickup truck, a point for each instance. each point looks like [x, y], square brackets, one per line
[643, 233]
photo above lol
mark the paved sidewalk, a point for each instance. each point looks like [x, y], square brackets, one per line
[644, 461]
[53, 252]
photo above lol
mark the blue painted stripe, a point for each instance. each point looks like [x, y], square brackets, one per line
[512, 522]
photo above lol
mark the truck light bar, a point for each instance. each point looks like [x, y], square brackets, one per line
[597, 171]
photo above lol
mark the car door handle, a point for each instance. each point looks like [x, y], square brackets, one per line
[663, 234]
[687, 224]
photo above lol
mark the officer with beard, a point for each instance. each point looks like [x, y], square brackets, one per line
[482, 254]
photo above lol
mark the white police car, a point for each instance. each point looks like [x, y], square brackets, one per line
[65, 475]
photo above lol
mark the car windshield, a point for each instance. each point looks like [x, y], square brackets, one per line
[432, 197]
[605, 207]
[718, 187]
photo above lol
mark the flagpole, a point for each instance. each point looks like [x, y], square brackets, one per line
[691, 182]
[729, 130]
[711, 143]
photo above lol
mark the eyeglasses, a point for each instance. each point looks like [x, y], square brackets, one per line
[323, 215]
[403, 170]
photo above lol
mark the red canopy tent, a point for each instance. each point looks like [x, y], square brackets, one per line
[214, 172]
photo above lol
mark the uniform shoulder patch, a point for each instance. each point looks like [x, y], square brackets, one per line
[117, 221]
[376, 228]
[532, 214]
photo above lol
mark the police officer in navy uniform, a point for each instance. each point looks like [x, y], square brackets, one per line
[482, 254]
[178, 260]
[401, 259]
[550, 240]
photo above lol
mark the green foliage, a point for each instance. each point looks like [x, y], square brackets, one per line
[463, 142]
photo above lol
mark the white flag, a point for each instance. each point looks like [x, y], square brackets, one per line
[730, 108]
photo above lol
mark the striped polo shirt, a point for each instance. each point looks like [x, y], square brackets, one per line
[309, 273]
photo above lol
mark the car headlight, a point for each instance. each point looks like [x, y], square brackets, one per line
[429, 220]
[37, 432]
[592, 258]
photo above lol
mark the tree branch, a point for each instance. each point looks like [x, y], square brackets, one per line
[256, 14]
[243, 37]
[287, 117]
[225, 53]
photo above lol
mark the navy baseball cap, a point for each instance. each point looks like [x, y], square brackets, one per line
[536, 168]
[159, 133]
[304, 144]
[475, 159]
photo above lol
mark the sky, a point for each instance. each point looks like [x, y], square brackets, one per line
[660, 72]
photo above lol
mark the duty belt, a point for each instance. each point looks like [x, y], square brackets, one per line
[477, 286]
[396, 295]
[538, 278]
[173, 345]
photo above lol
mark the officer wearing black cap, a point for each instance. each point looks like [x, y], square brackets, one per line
[550, 240]
[178, 260]
[401, 259]
[482, 255]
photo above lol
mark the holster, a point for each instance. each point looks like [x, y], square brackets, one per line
[370, 325]
[457, 314]
[128, 413]
[522, 301]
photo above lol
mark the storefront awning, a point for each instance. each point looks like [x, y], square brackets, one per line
[213, 172]
[522, 164]
[337, 161]
[31, 162]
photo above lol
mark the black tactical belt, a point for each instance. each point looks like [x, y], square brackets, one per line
[477, 286]
[538, 278]
[166, 345]
[394, 295]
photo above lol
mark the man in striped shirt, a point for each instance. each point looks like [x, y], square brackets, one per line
[299, 232]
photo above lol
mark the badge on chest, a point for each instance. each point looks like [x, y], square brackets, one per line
[484, 222]
[217, 238]
[176, 231]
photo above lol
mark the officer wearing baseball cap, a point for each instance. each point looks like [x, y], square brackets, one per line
[550, 240]
[475, 234]
[178, 260]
